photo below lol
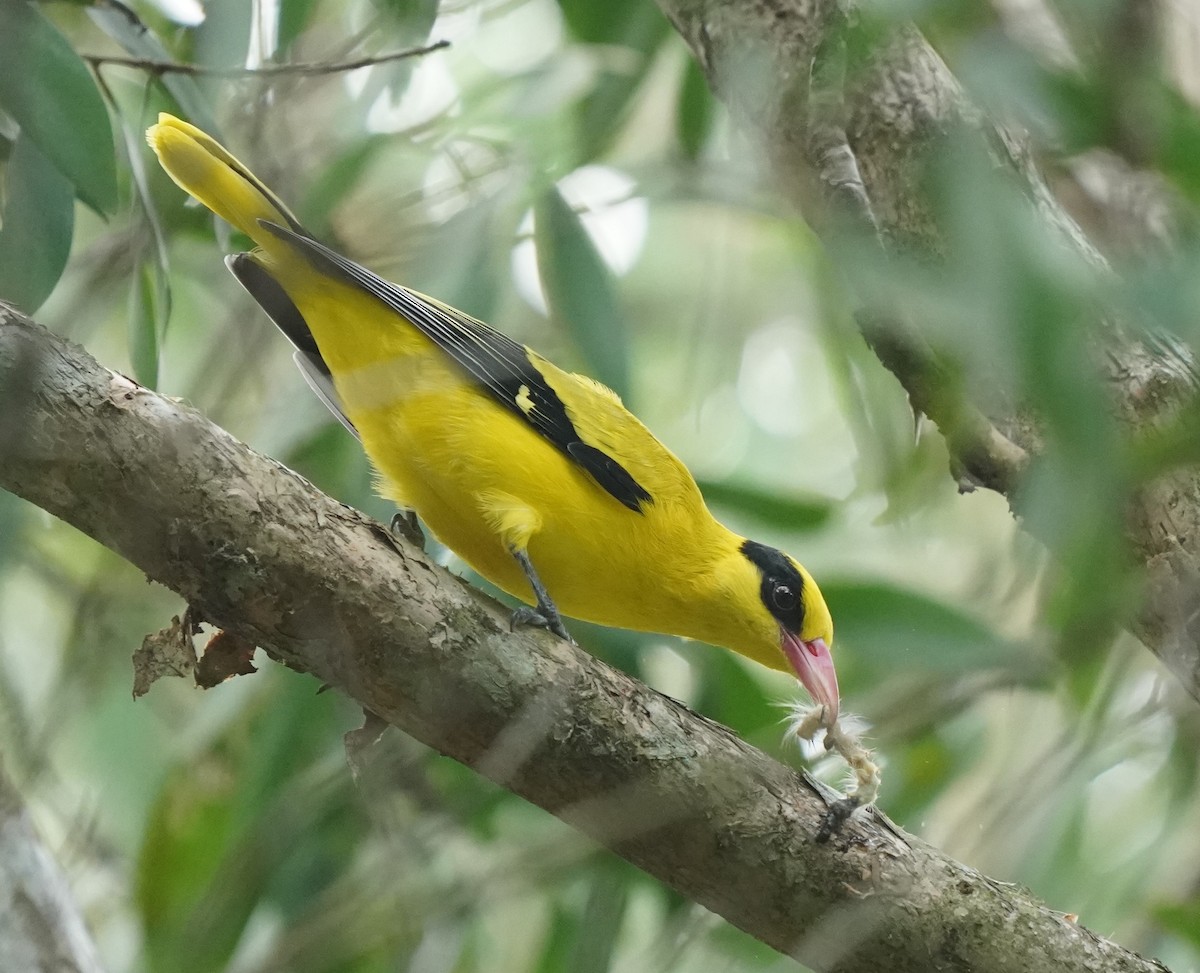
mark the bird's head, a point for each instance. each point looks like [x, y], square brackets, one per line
[791, 627]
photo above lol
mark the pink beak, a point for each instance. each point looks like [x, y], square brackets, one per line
[814, 666]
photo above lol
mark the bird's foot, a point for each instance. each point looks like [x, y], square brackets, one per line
[525, 615]
[836, 814]
[545, 615]
[405, 523]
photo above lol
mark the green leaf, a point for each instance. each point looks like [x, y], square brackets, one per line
[250, 821]
[411, 20]
[1182, 918]
[338, 178]
[334, 461]
[143, 325]
[222, 39]
[580, 290]
[887, 629]
[695, 111]
[405, 23]
[602, 917]
[767, 507]
[47, 89]
[119, 23]
[555, 953]
[731, 694]
[189, 828]
[1180, 140]
[635, 37]
[294, 16]
[599, 23]
[473, 282]
[13, 520]
[150, 297]
[35, 237]
[922, 770]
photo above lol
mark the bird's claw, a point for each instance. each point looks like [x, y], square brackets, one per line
[525, 615]
[404, 523]
[836, 815]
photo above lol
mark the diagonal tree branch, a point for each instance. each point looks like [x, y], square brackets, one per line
[41, 930]
[305, 68]
[843, 147]
[257, 551]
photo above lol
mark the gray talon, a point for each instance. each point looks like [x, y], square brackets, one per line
[526, 615]
[404, 523]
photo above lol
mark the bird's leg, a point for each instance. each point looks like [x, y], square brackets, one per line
[404, 522]
[545, 615]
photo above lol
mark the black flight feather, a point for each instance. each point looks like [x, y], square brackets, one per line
[273, 299]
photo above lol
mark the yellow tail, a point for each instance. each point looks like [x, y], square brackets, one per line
[203, 168]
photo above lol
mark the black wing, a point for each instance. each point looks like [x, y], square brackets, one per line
[495, 361]
[273, 299]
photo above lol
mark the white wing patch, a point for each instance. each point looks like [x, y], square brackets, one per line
[524, 401]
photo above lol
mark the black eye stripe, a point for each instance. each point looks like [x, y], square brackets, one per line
[782, 587]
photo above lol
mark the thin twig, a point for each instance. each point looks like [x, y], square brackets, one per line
[267, 70]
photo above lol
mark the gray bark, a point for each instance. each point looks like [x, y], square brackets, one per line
[41, 930]
[259, 552]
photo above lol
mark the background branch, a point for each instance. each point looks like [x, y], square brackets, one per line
[41, 930]
[258, 551]
[759, 59]
[295, 68]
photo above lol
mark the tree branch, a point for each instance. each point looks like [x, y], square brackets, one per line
[257, 551]
[765, 60]
[310, 68]
[41, 930]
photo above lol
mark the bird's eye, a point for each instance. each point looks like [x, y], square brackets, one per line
[784, 597]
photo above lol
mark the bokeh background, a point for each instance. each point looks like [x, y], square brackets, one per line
[561, 171]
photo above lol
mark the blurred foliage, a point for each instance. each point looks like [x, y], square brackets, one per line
[47, 91]
[562, 171]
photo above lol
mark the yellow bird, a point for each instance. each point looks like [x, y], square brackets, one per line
[538, 478]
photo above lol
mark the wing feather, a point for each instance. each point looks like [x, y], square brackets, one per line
[500, 365]
[273, 299]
